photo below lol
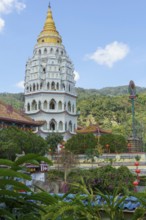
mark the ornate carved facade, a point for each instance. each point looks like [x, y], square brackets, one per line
[49, 84]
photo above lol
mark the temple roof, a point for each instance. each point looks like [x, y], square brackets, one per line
[49, 34]
[92, 129]
[9, 114]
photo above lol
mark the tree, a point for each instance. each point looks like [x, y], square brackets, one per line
[67, 160]
[81, 143]
[14, 141]
[117, 143]
[53, 140]
[107, 178]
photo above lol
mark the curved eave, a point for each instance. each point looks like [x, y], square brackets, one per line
[21, 121]
[48, 132]
[47, 112]
[93, 131]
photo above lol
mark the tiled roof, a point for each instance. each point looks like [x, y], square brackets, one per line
[92, 129]
[9, 114]
[129, 204]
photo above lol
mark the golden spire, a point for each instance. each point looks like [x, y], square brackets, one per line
[49, 34]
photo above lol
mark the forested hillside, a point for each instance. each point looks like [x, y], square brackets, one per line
[108, 107]
[14, 99]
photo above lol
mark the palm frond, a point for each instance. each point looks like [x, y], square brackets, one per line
[4, 183]
[6, 214]
[29, 157]
[6, 162]
[4, 172]
[44, 197]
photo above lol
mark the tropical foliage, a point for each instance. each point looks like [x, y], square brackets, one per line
[81, 143]
[14, 141]
[109, 107]
[115, 142]
[53, 140]
[83, 205]
[17, 201]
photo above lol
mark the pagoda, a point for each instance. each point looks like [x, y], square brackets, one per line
[49, 83]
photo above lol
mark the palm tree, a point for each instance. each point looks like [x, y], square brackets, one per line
[74, 206]
[14, 204]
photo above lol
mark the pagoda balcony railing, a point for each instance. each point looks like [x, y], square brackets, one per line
[51, 91]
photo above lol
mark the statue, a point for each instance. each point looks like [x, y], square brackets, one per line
[132, 89]
[19, 155]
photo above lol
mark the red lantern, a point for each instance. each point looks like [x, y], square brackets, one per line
[136, 163]
[137, 171]
[135, 183]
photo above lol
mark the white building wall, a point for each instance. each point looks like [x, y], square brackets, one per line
[49, 78]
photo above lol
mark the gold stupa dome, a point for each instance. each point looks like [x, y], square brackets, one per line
[49, 34]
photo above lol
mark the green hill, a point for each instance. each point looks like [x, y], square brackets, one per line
[109, 107]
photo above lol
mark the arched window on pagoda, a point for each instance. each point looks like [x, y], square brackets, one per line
[41, 85]
[59, 105]
[73, 108]
[34, 105]
[45, 51]
[27, 89]
[57, 86]
[63, 86]
[39, 51]
[39, 105]
[45, 105]
[33, 87]
[70, 126]
[53, 86]
[28, 107]
[65, 106]
[48, 85]
[52, 104]
[65, 126]
[60, 126]
[69, 106]
[52, 125]
[51, 50]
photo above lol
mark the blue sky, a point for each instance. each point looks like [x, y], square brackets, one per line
[105, 39]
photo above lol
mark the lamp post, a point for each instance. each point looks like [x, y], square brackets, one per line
[132, 91]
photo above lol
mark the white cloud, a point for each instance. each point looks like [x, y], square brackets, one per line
[111, 54]
[20, 85]
[2, 24]
[76, 76]
[8, 6]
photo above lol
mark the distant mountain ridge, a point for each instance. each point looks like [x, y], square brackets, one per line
[111, 91]
[17, 99]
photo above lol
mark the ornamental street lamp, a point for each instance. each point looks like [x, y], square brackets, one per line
[132, 91]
